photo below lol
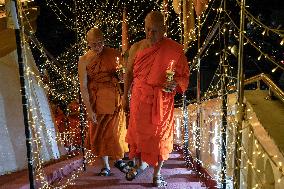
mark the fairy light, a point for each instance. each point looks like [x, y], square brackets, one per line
[266, 30]
[282, 42]
[86, 18]
[43, 137]
[65, 57]
[258, 152]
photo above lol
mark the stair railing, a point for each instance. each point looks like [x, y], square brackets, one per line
[268, 81]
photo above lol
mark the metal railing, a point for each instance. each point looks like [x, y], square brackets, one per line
[268, 81]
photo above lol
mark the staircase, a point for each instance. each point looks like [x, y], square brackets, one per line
[174, 171]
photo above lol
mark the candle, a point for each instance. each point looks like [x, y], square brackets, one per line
[117, 63]
[171, 65]
[169, 77]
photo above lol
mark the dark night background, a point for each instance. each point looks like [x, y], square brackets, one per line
[57, 37]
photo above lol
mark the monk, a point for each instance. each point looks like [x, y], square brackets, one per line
[151, 124]
[102, 99]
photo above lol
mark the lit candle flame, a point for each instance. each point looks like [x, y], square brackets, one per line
[117, 63]
[171, 64]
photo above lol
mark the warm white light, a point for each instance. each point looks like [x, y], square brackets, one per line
[274, 69]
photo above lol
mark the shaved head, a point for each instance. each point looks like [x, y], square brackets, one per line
[154, 26]
[95, 33]
[155, 17]
[95, 40]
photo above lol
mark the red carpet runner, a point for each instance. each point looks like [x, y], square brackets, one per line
[174, 171]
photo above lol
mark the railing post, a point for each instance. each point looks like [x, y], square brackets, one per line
[270, 93]
[199, 112]
[224, 83]
[81, 103]
[82, 128]
[187, 156]
[18, 33]
[258, 84]
[240, 103]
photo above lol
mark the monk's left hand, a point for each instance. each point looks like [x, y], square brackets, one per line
[125, 104]
[170, 85]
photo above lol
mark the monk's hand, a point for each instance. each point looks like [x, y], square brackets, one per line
[170, 85]
[125, 104]
[91, 116]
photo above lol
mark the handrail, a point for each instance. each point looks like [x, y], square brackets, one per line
[263, 77]
[268, 81]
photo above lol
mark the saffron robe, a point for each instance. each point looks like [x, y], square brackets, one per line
[107, 135]
[151, 124]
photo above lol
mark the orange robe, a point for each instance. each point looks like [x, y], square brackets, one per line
[151, 124]
[107, 136]
[69, 125]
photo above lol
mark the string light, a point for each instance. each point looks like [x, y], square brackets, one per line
[113, 20]
[252, 43]
[282, 42]
[274, 69]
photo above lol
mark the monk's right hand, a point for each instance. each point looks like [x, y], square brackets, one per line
[170, 85]
[125, 104]
[91, 116]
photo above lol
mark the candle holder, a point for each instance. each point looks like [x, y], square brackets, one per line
[120, 71]
[169, 77]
